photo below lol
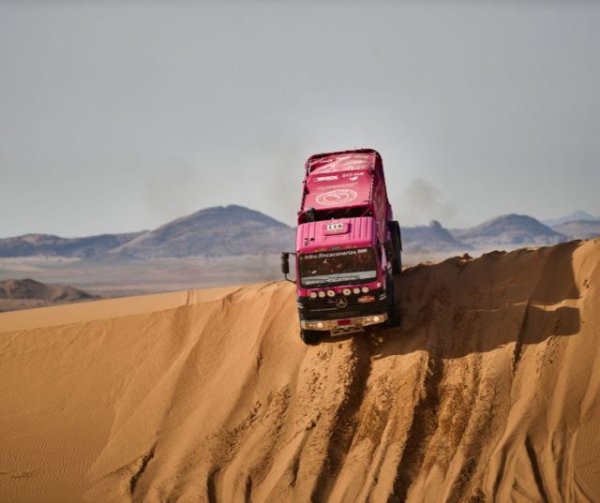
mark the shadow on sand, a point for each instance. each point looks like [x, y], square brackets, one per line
[463, 306]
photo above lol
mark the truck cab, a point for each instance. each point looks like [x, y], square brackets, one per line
[347, 246]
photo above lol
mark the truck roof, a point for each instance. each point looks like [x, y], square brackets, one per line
[349, 180]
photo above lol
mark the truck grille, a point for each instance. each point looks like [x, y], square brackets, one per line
[326, 308]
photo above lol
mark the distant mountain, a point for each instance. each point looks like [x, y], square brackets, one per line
[573, 217]
[229, 230]
[432, 237]
[55, 246]
[509, 231]
[579, 229]
[236, 230]
[217, 231]
[30, 289]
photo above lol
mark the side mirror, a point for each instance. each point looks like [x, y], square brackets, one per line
[285, 263]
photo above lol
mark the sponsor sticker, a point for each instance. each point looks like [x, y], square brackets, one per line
[337, 197]
[341, 253]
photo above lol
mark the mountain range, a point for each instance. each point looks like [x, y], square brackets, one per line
[576, 216]
[509, 231]
[235, 230]
[582, 229]
[54, 246]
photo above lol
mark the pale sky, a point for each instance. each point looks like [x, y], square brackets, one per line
[120, 116]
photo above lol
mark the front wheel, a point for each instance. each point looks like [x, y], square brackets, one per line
[396, 239]
[392, 309]
[310, 337]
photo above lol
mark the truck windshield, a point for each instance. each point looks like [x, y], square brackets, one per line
[337, 267]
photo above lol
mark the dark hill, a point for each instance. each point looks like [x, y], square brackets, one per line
[432, 237]
[31, 289]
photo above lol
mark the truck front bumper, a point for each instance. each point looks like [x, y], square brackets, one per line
[344, 324]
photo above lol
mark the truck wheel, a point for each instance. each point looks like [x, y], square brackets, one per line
[392, 309]
[396, 238]
[310, 337]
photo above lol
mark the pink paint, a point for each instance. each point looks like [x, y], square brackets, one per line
[313, 236]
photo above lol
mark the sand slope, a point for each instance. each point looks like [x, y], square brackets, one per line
[490, 391]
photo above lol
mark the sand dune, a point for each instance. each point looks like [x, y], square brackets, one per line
[489, 391]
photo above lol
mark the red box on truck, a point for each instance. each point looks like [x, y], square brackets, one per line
[347, 245]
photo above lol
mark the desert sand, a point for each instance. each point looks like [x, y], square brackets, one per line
[489, 391]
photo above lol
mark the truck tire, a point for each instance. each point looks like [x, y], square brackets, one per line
[396, 239]
[310, 337]
[392, 308]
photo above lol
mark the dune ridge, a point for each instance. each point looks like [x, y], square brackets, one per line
[489, 391]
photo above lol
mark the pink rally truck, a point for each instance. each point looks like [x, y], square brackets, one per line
[347, 246]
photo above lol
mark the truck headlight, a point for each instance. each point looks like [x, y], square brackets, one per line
[365, 289]
[356, 290]
[330, 293]
[346, 291]
[321, 294]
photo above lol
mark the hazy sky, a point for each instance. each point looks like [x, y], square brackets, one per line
[120, 116]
